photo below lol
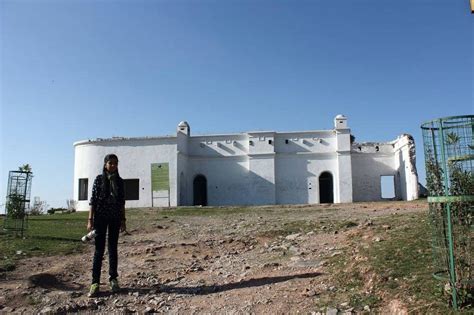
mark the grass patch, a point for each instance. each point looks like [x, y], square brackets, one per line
[404, 263]
[400, 266]
[46, 235]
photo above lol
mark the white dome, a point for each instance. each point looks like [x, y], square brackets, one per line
[340, 116]
[183, 124]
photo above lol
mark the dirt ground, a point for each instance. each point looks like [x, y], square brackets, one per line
[227, 264]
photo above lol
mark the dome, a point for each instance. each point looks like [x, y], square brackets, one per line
[183, 124]
[340, 116]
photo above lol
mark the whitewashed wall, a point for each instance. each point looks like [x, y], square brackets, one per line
[370, 161]
[135, 158]
[256, 167]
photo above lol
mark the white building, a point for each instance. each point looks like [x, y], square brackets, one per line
[253, 168]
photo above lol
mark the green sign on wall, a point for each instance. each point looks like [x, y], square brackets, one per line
[160, 176]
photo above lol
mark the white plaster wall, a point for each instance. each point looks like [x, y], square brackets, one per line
[297, 176]
[314, 141]
[406, 167]
[261, 179]
[228, 180]
[367, 168]
[261, 142]
[135, 158]
[218, 146]
[343, 181]
[256, 167]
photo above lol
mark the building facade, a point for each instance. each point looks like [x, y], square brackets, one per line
[252, 168]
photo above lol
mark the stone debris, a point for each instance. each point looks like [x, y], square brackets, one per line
[193, 265]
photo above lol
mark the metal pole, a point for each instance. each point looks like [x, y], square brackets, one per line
[448, 214]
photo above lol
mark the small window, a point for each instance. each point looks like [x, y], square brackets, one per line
[83, 186]
[131, 187]
[270, 141]
[286, 141]
[261, 138]
[388, 186]
[250, 142]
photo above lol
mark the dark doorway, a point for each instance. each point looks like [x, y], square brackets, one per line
[200, 190]
[326, 194]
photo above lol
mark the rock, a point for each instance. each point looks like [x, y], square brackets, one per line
[331, 311]
[267, 265]
[149, 310]
[292, 237]
[376, 239]
[46, 310]
[309, 292]
[294, 249]
[367, 308]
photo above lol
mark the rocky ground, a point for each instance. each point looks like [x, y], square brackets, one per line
[269, 260]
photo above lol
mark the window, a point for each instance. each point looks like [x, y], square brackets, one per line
[388, 186]
[131, 187]
[83, 185]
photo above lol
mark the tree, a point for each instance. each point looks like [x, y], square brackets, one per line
[25, 168]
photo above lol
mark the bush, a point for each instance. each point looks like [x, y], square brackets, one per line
[38, 208]
[53, 210]
[15, 206]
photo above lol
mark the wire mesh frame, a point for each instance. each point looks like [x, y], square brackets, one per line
[449, 158]
[18, 200]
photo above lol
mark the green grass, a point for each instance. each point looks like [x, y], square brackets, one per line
[402, 263]
[45, 235]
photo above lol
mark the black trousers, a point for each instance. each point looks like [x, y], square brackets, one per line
[101, 225]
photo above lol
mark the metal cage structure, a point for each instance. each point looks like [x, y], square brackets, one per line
[18, 201]
[449, 159]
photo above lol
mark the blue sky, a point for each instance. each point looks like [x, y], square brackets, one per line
[73, 70]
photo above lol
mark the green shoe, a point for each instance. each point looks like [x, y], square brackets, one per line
[114, 286]
[94, 290]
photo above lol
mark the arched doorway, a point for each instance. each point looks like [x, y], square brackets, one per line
[200, 191]
[326, 190]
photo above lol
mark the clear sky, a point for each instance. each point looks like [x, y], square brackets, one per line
[74, 70]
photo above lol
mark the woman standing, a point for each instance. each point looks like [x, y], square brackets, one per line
[107, 212]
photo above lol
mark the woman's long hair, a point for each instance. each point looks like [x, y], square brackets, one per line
[105, 175]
